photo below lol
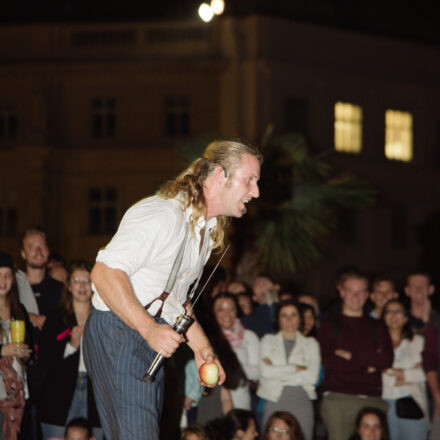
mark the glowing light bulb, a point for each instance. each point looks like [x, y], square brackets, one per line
[205, 12]
[217, 6]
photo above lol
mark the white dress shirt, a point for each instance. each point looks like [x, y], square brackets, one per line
[145, 248]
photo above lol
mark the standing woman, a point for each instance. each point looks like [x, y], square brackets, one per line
[406, 379]
[238, 352]
[243, 342]
[289, 368]
[67, 389]
[12, 356]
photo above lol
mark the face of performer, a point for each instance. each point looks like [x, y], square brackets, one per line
[225, 312]
[239, 187]
[80, 285]
[370, 427]
[6, 279]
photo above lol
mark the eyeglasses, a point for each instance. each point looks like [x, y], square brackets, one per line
[77, 280]
[279, 431]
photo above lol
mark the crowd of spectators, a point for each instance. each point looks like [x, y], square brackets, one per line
[365, 368]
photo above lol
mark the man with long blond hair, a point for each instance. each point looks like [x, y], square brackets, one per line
[133, 316]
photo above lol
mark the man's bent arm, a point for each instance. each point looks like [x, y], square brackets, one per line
[115, 289]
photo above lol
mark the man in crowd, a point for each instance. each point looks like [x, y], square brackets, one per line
[265, 293]
[382, 290]
[121, 338]
[46, 290]
[57, 267]
[426, 320]
[355, 349]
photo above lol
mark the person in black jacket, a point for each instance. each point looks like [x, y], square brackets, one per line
[67, 391]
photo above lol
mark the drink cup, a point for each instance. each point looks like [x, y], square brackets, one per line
[17, 332]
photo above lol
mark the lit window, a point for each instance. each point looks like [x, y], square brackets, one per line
[348, 127]
[398, 135]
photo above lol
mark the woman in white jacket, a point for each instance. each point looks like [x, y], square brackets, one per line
[289, 368]
[406, 378]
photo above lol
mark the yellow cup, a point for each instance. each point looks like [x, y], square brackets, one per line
[17, 331]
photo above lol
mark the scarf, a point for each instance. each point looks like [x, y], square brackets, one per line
[235, 334]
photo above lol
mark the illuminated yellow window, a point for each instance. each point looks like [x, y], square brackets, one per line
[398, 135]
[348, 127]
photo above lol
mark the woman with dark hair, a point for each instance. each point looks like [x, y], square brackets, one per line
[244, 343]
[238, 352]
[281, 425]
[67, 389]
[236, 424]
[13, 356]
[404, 385]
[308, 318]
[371, 424]
[289, 368]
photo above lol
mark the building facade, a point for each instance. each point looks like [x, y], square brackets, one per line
[91, 114]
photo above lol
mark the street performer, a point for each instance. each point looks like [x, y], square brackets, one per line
[121, 338]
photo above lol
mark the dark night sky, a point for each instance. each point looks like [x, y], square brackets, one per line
[416, 20]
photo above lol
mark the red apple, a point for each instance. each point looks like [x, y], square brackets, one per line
[209, 373]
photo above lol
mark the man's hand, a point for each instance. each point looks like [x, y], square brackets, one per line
[37, 320]
[267, 361]
[343, 354]
[207, 356]
[163, 338]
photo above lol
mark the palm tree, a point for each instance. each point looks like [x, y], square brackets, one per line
[301, 195]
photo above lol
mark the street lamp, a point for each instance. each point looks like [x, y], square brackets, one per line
[217, 6]
[205, 12]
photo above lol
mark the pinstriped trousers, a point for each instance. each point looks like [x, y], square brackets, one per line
[116, 359]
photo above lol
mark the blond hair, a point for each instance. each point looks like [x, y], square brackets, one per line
[189, 184]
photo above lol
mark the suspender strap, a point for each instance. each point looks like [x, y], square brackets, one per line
[202, 256]
[172, 278]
